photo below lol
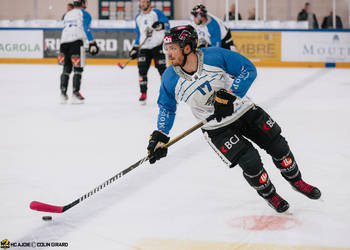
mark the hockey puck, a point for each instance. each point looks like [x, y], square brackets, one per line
[47, 218]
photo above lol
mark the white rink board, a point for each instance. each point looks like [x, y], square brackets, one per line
[21, 44]
[315, 46]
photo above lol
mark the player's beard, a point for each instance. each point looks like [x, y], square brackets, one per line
[177, 61]
[146, 8]
[199, 21]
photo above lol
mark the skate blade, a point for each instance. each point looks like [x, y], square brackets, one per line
[75, 101]
[143, 102]
[63, 100]
[287, 212]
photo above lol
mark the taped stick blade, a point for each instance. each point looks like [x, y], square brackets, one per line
[43, 207]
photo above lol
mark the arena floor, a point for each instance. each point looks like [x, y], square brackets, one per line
[55, 153]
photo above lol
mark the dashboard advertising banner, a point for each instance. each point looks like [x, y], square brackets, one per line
[258, 46]
[316, 46]
[21, 44]
[112, 43]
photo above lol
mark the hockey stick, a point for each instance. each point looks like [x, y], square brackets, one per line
[43, 207]
[124, 65]
[130, 59]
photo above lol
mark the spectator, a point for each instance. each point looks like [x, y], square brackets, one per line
[70, 6]
[251, 14]
[232, 14]
[328, 22]
[307, 15]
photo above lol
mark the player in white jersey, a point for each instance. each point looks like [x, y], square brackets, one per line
[210, 29]
[151, 24]
[72, 54]
[202, 78]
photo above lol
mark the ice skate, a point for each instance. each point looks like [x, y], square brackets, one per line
[306, 189]
[77, 98]
[64, 98]
[143, 98]
[277, 203]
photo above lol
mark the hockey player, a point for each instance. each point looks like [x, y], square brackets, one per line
[72, 53]
[70, 6]
[202, 79]
[151, 25]
[210, 29]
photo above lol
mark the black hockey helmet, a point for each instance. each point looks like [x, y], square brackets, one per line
[79, 2]
[199, 11]
[182, 35]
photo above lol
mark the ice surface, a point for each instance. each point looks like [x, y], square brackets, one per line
[55, 153]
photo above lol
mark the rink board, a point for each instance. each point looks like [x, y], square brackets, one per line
[110, 61]
[270, 48]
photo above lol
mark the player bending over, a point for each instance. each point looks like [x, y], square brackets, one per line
[202, 79]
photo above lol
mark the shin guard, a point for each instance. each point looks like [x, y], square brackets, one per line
[64, 82]
[288, 167]
[143, 84]
[67, 69]
[261, 183]
[76, 81]
[283, 159]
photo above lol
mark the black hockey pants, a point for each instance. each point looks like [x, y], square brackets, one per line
[233, 143]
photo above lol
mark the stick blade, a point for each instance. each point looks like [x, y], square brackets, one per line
[42, 207]
[120, 65]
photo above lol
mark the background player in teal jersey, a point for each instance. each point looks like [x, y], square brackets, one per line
[210, 29]
[151, 24]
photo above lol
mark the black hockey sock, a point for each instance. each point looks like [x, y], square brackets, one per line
[288, 167]
[76, 81]
[64, 82]
[261, 183]
[143, 84]
[143, 88]
[284, 159]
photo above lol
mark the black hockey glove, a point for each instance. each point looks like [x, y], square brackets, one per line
[155, 149]
[223, 104]
[93, 48]
[134, 52]
[157, 26]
